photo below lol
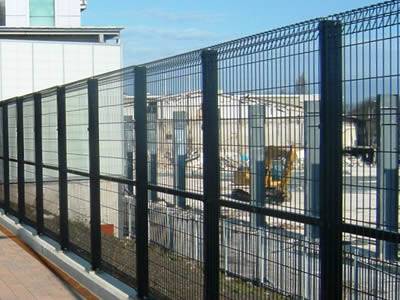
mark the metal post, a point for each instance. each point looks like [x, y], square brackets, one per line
[211, 175]
[125, 214]
[38, 162]
[331, 159]
[355, 276]
[94, 170]
[257, 178]
[311, 164]
[6, 160]
[387, 172]
[141, 218]
[180, 145]
[152, 142]
[312, 137]
[21, 157]
[129, 144]
[260, 258]
[257, 161]
[62, 168]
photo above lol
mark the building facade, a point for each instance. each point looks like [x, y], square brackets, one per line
[42, 44]
[26, 13]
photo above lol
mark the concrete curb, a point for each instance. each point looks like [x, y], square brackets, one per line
[100, 283]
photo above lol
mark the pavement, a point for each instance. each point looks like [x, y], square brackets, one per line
[25, 275]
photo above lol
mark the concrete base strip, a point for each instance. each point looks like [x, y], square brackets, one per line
[66, 265]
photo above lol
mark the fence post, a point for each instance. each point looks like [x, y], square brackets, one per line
[257, 162]
[311, 164]
[180, 152]
[211, 176]
[152, 144]
[387, 205]
[38, 162]
[125, 229]
[20, 156]
[141, 218]
[94, 170]
[331, 159]
[62, 168]
[6, 160]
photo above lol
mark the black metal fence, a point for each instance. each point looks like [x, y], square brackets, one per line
[261, 168]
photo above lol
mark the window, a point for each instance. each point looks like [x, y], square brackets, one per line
[2, 13]
[41, 12]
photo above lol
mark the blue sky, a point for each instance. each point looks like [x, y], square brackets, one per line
[160, 28]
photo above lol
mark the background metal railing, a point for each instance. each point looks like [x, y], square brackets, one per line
[261, 168]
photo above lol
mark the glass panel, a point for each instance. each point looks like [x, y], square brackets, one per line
[41, 12]
[2, 13]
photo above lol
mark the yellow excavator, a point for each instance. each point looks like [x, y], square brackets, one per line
[279, 163]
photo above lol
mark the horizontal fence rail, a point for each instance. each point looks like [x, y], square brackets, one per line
[262, 168]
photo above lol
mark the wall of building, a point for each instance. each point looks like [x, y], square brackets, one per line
[17, 13]
[28, 66]
[67, 13]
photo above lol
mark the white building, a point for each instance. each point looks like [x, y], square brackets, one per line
[42, 44]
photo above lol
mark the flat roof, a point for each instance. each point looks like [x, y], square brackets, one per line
[109, 30]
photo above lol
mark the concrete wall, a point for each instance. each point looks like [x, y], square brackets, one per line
[78, 201]
[28, 66]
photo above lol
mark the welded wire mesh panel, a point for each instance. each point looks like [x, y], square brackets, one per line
[175, 251]
[116, 124]
[174, 134]
[366, 276]
[50, 158]
[268, 99]
[29, 156]
[30, 192]
[49, 128]
[13, 155]
[269, 157]
[175, 161]
[118, 237]
[79, 214]
[29, 130]
[117, 146]
[371, 69]
[276, 262]
[371, 83]
[51, 205]
[13, 173]
[76, 107]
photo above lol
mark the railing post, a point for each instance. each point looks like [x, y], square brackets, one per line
[331, 159]
[211, 176]
[38, 162]
[20, 156]
[6, 160]
[62, 168]
[94, 170]
[141, 218]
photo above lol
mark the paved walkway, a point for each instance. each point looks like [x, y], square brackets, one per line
[23, 276]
